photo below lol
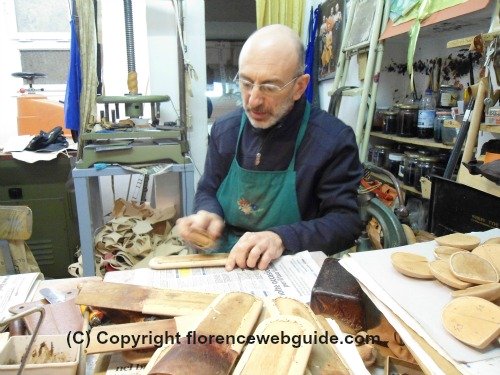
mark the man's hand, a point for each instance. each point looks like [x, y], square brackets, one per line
[201, 221]
[255, 249]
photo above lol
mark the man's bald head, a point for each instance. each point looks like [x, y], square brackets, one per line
[279, 42]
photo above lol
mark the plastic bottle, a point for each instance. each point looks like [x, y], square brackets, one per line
[426, 115]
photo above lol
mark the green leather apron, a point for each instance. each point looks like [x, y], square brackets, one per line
[254, 201]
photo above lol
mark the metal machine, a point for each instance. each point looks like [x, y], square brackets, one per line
[135, 140]
[390, 221]
[127, 143]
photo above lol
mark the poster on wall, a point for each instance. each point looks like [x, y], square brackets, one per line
[362, 24]
[330, 37]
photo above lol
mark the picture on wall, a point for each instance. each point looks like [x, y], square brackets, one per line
[329, 38]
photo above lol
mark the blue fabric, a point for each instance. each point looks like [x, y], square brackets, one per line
[74, 84]
[310, 51]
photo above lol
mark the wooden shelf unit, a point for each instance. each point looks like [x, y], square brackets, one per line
[414, 141]
[473, 8]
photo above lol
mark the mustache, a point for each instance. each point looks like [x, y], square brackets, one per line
[259, 108]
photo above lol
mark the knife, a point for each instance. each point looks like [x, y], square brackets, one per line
[56, 296]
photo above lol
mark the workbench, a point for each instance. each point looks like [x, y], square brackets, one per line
[89, 203]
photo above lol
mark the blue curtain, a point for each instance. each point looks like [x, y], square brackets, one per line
[310, 51]
[74, 84]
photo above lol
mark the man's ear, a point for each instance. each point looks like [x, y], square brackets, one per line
[301, 86]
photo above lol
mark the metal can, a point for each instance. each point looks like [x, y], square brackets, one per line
[407, 120]
[448, 96]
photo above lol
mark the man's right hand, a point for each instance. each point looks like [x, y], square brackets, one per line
[201, 221]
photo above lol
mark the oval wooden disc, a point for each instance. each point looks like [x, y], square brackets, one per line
[492, 240]
[472, 268]
[490, 252]
[472, 320]
[490, 292]
[460, 240]
[441, 271]
[412, 265]
[444, 252]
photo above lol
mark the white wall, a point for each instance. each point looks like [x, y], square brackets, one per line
[155, 31]
[11, 62]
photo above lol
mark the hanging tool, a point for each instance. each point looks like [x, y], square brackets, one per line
[457, 147]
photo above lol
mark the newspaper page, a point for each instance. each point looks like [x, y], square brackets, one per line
[16, 289]
[291, 276]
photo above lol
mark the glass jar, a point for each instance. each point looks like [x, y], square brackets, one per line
[379, 155]
[449, 135]
[441, 116]
[424, 168]
[448, 96]
[407, 120]
[394, 161]
[409, 167]
[390, 122]
[378, 118]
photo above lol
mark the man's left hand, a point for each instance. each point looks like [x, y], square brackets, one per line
[255, 249]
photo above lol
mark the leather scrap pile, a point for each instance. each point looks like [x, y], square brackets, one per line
[132, 236]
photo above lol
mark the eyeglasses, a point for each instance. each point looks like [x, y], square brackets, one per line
[265, 88]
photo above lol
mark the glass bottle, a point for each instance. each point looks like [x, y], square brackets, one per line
[426, 115]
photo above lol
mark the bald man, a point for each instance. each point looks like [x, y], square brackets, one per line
[280, 177]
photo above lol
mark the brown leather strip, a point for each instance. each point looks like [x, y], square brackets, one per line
[187, 358]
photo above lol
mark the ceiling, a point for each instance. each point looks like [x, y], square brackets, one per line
[229, 20]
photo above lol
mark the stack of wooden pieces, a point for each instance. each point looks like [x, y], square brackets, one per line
[472, 268]
[214, 334]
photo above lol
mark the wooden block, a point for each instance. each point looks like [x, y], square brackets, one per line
[490, 292]
[441, 271]
[277, 358]
[336, 294]
[169, 330]
[490, 252]
[164, 302]
[472, 320]
[460, 240]
[323, 359]
[230, 314]
[472, 268]
[411, 265]
[445, 252]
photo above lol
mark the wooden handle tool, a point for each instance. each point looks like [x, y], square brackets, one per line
[188, 261]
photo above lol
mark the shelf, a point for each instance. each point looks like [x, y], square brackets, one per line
[413, 141]
[466, 42]
[483, 127]
[471, 6]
